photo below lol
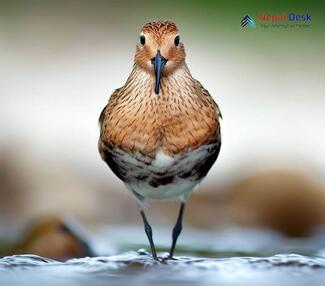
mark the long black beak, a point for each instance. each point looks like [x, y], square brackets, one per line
[158, 64]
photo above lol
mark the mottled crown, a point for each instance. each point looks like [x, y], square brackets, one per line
[159, 28]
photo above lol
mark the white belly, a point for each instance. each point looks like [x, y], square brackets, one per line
[142, 174]
[178, 189]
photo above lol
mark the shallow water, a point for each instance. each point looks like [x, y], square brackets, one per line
[228, 257]
[138, 268]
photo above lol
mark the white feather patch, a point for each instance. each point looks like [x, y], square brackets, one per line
[178, 189]
[162, 161]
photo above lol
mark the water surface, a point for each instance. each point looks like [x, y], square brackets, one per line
[228, 257]
[138, 268]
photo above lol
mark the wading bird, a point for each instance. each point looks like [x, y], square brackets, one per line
[160, 132]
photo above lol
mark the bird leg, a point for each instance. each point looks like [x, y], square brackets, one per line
[148, 231]
[177, 230]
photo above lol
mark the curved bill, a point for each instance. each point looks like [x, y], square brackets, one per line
[158, 63]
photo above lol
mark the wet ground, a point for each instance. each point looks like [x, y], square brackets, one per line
[229, 257]
[136, 268]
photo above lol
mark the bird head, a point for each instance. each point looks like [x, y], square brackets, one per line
[159, 51]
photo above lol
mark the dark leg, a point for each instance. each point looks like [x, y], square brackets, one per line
[177, 229]
[148, 231]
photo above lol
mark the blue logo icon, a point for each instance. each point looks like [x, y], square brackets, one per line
[248, 21]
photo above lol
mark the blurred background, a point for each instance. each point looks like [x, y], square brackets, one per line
[61, 60]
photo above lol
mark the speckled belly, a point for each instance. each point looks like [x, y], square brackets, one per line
[163, 177]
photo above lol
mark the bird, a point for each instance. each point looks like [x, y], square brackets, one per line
[160, 132]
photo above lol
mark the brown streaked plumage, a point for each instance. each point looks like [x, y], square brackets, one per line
[159, 28]
[160, 132]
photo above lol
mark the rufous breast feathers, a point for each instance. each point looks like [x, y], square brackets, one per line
[174, 121]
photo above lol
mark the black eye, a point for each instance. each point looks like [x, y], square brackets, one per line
[176, 41]
[142, 40]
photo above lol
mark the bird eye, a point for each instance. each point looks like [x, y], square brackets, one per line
[176, 41]
[142, 40]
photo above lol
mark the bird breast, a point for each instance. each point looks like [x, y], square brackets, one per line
[181, 117]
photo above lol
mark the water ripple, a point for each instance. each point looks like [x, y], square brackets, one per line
[140, 268]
